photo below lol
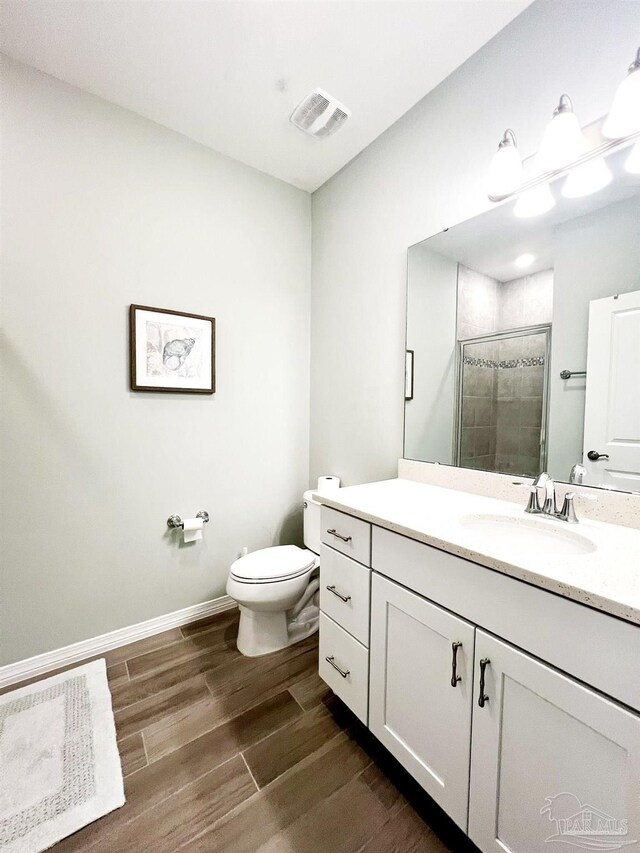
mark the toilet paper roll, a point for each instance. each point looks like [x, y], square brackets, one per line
[328, 484]
[192, 529]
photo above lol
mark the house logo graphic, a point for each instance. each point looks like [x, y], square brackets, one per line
[582, 825]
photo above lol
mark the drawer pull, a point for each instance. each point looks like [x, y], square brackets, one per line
[482, 698]
[334, 532]
[335, 592]
[455, 678]
[343, 673]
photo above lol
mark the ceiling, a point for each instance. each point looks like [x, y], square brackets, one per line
[228, 73]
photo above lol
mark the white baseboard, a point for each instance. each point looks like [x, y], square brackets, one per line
[12, 673]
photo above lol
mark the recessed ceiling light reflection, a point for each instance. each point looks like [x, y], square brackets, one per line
[525, 260]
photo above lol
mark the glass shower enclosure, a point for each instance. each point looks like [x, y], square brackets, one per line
[502, 401]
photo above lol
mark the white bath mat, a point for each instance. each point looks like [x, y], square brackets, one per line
[59, 762]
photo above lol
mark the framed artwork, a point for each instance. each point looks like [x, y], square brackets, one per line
[408, 375]
[171, 351]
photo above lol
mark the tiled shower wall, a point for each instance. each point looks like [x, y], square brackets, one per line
[502, 405]
[518, 400]
[486, 305]
[479, 433]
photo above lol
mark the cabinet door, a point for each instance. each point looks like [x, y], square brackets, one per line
[414, 708]
[553, 764]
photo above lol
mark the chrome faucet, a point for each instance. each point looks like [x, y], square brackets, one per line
[548, 506]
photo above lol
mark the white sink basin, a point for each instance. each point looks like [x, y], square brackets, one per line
[531, 535]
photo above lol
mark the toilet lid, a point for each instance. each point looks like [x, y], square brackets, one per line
[283, 562]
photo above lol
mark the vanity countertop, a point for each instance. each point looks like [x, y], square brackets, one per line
[606, 578]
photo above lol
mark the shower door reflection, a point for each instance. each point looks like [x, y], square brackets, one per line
[502, 401]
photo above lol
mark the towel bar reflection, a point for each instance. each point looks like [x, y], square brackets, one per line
[176, 521]
[567, 374]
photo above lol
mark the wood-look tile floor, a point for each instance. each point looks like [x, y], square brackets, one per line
[226, 753]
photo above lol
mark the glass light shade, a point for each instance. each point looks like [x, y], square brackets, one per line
[505, 172]
[624, 117]
[632, 163]
[534, 202]
[562, 142]
[586, 179]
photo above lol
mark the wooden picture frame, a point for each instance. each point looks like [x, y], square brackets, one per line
[171, 351]
[408, 374]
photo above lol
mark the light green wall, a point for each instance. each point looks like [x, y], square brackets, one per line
[100, 209]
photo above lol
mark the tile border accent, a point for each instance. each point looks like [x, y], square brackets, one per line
[612, 507]
[13, 673]
[531, 361]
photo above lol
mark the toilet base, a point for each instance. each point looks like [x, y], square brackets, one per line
[261, 633]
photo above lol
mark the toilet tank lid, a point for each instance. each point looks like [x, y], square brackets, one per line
[308, 496]
[281, 562]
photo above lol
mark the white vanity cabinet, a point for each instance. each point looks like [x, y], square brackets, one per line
[519, 750]
[508, 767]
[421, 680]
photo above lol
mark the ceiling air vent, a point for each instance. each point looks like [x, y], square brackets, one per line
[319, 114]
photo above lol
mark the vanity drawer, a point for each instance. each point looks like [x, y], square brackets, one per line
[347, 671]
[342, 578]
[349, 535]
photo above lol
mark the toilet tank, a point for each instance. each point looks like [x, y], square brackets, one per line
[311, 523]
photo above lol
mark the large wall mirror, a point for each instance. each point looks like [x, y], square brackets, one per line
[526, 340]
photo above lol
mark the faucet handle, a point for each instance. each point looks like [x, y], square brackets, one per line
[568, 512]
[534, 505]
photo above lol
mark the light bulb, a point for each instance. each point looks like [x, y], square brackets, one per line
[586, 179]
[624, 116]
[534, 202]
[505, 171]
[632, 163]
[563, 140]
[524, 261]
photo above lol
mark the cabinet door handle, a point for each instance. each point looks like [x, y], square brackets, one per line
[334, 532]
[455, 678]
[482, 698]
[335, 592]
[343, 672]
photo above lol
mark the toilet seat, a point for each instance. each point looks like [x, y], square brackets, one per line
[269, 565]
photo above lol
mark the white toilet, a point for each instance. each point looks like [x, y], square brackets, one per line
[275, 592]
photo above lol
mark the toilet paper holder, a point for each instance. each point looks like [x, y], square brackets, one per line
[176, 521]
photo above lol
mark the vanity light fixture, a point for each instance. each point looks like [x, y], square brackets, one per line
[505, 172]
[632, 164]
[624, 116]
[563, 140]
[565, 150]
[562, 144]
[525, 260]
